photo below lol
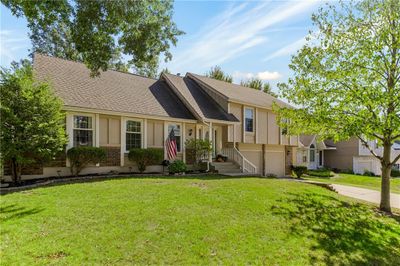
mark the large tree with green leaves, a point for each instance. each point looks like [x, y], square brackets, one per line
[217, 73]
[346, 79]
[32, 124]
[258, 84]
[100, 32]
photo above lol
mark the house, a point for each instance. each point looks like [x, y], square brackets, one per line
[119, 111]
[350, 155]
[311, 151]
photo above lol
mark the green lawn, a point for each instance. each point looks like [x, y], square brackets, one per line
[193, 221]
[370, 182]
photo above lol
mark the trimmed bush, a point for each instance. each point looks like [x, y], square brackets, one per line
[395, 173]
[320, 173]
[177, 166]
[80, 157]
[146, 157]
[368, 173]
[299, 170]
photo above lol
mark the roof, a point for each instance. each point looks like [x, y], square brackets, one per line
[329, 143]
[306, 140]
[112, 90]
[240, 93]
[204, 106]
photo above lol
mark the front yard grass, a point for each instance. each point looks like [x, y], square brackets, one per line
[370, 182]
[193, 221]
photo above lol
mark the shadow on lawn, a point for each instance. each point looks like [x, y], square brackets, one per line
[346, 233]
[12, 212]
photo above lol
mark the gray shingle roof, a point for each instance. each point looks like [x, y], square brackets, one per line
[239, 93]
[306, 140]
[204, 106]
[112, 90]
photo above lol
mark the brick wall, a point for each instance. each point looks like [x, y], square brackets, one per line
[31, 169]
[113, 156]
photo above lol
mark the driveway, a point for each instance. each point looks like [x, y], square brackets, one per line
[366, 194]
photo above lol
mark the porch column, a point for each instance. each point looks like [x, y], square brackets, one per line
[183, 148]
[210, 136]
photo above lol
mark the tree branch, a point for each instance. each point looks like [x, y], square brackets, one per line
[395, 159]
[369, 148]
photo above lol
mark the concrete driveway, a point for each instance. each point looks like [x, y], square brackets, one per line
[366, 194]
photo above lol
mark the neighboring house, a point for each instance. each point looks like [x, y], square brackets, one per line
[350, 155]
[119, 111]
[311, 151]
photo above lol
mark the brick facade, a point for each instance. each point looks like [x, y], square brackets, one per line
[113, 156]
[31, 169]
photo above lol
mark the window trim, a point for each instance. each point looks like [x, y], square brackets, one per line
[180, 137]
[244, 119]
[125, 121]
[93, 128]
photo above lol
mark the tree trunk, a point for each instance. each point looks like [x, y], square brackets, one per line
[15, 171]
[385, 185]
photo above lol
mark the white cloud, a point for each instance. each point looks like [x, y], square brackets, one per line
[288, 49]
[11, 43]
[266, 75]
[232, 33]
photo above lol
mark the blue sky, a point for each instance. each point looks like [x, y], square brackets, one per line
[247, 39]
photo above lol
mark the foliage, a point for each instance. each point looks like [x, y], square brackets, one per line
[177, 167]
[320, 173]
[100, 32]
[217, 73]
[198, 148]
[146, 157]
[368, 173]
[299, 170]
[81, 157]
[244, 219]
[32, 123]
[395, 173]
[346, 78]
[258, 84]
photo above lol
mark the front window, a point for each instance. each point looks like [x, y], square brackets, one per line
[82, 131]
[249, 119]
[133, 135]
[177, 133]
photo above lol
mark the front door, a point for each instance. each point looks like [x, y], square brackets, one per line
[320, 159]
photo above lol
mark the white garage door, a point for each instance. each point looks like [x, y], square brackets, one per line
[275, 163]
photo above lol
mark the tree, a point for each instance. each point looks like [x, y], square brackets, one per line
[217, 73]
[32, 124]
[258, 84]
[347, 79]
[96, 32]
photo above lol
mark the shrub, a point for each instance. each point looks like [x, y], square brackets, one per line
[299, 170]
[395, 173]
[320, 173]
[198, 149]
[347, 171]
[80, 157]
[177, 166]
[368, 173]
[146, 157]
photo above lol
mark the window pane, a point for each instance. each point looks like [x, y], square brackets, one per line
[133, 140]
[312, 155]
[249, 120]
[133, 126]
[82, 121]
[83, 138]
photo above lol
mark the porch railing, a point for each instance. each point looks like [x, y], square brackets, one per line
[234, 154]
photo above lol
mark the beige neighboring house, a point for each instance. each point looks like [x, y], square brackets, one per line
[350, 155]
[119, 111]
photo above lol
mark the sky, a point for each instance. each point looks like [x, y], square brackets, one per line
[245, 38]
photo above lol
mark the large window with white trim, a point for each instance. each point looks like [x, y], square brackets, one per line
[133, 137]
[177, 132]
[249, 119]
[82, 131]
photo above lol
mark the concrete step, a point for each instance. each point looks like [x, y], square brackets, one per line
[231, 166]
[222, 163]
[229, 171]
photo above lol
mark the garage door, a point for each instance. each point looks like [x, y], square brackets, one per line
[275, 163]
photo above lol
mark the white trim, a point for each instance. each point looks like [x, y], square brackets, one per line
[123, 140]
[144, 137]
[125, 114]
[255, 126]
[97, 131]
[71, 129]
[183, 139]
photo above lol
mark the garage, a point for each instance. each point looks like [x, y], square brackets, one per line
[275, 161]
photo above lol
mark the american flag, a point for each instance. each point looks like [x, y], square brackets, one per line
[171, 145]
